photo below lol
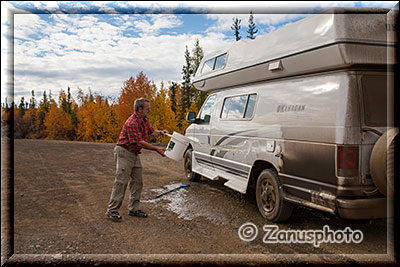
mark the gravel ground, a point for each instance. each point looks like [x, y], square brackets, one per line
[61, 191]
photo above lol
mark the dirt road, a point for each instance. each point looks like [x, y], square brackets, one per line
[61, 191]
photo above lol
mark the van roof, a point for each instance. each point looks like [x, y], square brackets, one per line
[367, 25]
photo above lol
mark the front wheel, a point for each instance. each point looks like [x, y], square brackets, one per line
[190, 175]
[269, 198]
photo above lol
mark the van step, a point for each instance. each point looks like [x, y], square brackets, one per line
[239, 185]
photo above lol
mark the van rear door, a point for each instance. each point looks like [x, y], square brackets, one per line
[374, 89]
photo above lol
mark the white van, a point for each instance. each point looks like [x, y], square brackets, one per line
[304, 115]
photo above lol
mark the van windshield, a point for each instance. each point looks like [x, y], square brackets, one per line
[374, 92]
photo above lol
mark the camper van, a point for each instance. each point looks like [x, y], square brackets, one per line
[302, 116]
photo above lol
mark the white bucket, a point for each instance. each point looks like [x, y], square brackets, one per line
[177, 146]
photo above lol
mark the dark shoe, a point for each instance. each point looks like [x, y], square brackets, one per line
[114, 215]
[138, 213]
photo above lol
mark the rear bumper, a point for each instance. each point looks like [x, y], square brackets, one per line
[367, 208]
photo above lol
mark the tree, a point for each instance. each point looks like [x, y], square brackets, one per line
[252, 27]
[58, 124]
[132, 90]
[187, 91]
[161, 115]
[21, 107]
[198, 55]
[32, 101]
[68, 106]
[174, 96]
[236, 28]
[43, 109]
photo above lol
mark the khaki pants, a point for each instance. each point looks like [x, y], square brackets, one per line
[128, 171]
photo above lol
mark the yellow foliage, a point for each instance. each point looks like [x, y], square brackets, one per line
[58, 124]
[132, 90]
[96, 120]
[161, 116]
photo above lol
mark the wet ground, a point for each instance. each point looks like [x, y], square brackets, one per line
[61, 191]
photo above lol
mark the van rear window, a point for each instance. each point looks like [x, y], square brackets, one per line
[374, 92]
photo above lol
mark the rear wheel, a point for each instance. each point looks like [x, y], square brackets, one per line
[190, 175]
[382, 162]
[269, 199]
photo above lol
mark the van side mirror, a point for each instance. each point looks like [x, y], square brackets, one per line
[191, 117]
[207, 118]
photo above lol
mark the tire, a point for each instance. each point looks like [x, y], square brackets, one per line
[382, 162]
[187, 164]
[269, 198]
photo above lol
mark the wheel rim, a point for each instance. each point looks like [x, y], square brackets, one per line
[267, 196]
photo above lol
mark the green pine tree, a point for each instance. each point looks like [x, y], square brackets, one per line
[252, 27]
[187, 94]
[236, 28]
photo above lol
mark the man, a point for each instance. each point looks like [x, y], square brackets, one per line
[132, 139]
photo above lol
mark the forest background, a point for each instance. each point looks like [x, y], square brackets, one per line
[93, 117]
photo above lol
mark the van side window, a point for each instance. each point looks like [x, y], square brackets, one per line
[374, 92]
[225, 108]
[206, 110]
[238, 107]
[208, 65]
[214, 63]
[220, 62]
[251, 102]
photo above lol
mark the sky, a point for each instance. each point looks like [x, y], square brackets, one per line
[98, 45]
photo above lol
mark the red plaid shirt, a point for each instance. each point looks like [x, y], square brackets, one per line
[134, 130]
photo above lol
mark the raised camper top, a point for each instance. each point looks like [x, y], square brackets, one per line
[334, 39]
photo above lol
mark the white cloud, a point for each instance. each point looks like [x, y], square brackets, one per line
[87, 51]
[156, 23]
[103, 51]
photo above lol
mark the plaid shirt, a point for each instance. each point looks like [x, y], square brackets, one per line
[134, 130]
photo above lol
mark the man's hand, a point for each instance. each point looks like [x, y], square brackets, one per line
[161, 151]
[164, 132]
[145, 145]
[158, 133]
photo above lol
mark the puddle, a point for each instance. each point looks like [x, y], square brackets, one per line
[189, 205]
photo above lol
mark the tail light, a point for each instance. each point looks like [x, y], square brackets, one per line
[347, 160]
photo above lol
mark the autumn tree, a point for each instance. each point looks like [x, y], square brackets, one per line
[58, 124]
[161, 115]
[133, 89]
[96, 119]
[7, 121]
